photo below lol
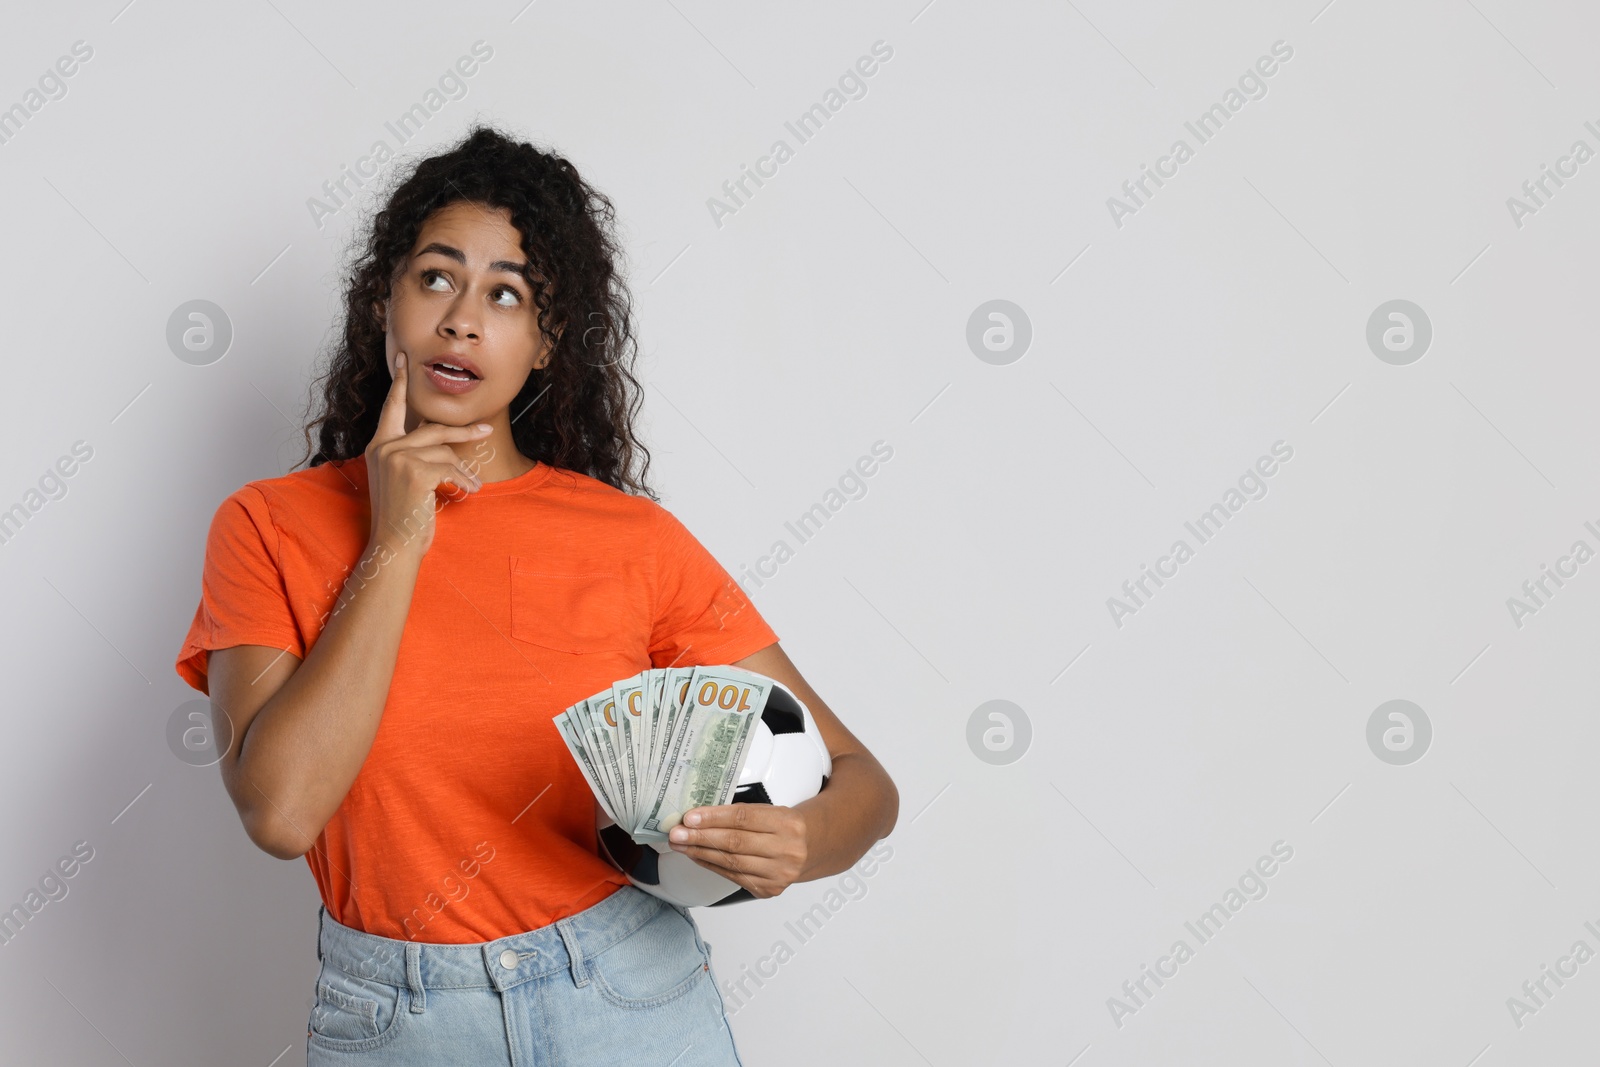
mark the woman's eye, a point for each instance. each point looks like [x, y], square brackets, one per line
[515, 296]
[427, 274]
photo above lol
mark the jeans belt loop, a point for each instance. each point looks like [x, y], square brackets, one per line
[419, 995]
[569, 938]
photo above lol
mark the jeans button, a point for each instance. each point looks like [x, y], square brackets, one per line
[508, 960]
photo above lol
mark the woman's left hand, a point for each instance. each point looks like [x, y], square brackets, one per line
[763, 847]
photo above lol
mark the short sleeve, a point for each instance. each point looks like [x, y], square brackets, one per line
[243, 599]
[701, 615]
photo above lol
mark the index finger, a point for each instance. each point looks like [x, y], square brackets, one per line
[392, 418]
[745, 816]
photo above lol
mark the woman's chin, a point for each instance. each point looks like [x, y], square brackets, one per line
[448, 413]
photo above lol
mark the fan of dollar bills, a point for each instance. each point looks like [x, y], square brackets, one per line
[664, 741]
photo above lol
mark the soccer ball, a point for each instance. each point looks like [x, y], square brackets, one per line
[785, 764]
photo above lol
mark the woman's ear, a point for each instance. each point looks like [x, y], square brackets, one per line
[380, 312]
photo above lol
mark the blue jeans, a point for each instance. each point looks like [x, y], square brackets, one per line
[625, 981]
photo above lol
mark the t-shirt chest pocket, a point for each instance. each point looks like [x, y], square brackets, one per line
[576, 613]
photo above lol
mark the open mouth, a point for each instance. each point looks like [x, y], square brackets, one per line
[453, 372]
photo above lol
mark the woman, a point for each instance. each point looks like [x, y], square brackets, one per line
[386, 634]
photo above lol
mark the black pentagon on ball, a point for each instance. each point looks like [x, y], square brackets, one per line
[631, 857]
[782, 714]
[754, 793]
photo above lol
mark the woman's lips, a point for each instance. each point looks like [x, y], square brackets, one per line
[446, 381]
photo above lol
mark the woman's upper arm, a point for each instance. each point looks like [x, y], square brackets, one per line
[241, 679]
[774, 662]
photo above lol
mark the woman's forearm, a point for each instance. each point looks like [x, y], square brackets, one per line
[306, 745]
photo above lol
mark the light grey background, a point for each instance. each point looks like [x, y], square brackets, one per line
[1168, 754]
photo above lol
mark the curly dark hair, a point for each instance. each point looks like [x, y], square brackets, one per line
[585, 399]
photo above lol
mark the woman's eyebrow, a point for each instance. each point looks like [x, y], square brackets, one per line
[519, 269]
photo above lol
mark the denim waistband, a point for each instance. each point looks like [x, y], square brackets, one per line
[501, 964]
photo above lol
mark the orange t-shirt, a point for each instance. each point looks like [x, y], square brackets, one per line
[469, 820]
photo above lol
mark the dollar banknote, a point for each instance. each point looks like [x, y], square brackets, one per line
[626, 709]
[592, 714]
[569, 731]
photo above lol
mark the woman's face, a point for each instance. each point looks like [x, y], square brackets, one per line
[462, 299]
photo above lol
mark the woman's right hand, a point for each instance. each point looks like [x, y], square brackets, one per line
[406, 471]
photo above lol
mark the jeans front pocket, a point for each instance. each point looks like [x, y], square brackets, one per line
[353, 1013]
[657, 963]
